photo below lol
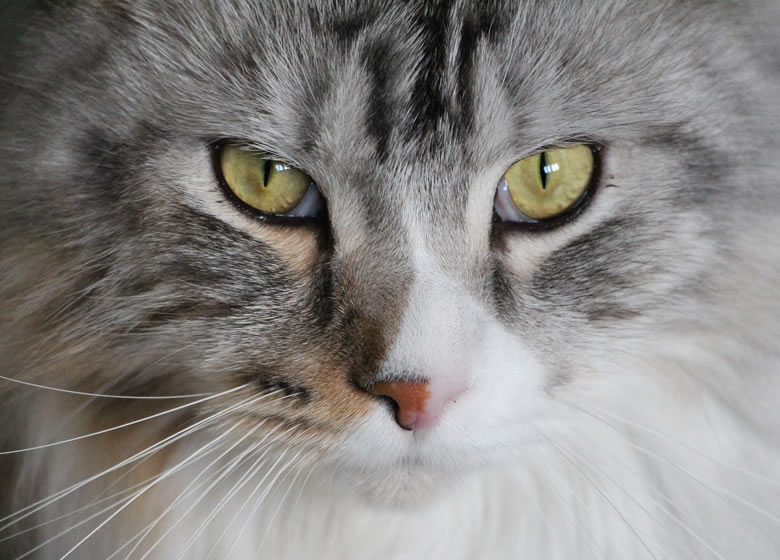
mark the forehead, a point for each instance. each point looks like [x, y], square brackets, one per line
[389, 105]
[397, 81]
[396, 107]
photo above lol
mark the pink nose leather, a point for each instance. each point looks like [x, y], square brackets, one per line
[410, 400]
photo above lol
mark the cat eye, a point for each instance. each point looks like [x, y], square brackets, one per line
[546, 185]
[268, 185]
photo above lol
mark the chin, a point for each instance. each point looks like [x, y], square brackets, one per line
[398, 488]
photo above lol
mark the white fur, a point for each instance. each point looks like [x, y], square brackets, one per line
[611, 501]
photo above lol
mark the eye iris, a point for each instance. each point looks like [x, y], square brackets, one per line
[262, 183]
[545, 185]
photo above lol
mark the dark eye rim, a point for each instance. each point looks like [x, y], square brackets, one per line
[540, 226]
[215, 148]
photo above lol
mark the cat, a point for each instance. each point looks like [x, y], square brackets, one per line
[397, 280]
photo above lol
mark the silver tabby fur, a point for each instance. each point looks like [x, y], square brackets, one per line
[623, 368]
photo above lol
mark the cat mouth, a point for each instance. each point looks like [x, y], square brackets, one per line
[414, 462]
[406, 484]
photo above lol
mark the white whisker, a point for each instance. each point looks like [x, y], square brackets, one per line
[672, 439]
[240, 483]
[300, 490]
[172, 470]
[575, 521]
[718, 491]
[126, 503]
[152, 449]
[103, 395]
[262, 497]
[271, 521]
[667, 511]
[114, 496]
[125, 425]
[598, 489]
[230, 467]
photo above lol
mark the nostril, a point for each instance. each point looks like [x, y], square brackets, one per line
[405, 418]
[409, 398]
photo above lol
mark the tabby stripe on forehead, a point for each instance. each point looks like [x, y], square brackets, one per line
[487, 25]
[428, 102]
[348, 27]
[377, 60]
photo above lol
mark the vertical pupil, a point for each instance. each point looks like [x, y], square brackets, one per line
[266, 171]
[543, 169]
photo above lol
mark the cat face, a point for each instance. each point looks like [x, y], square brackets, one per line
[147, 276]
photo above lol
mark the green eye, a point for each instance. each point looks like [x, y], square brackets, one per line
[266, 184]
[545, 185]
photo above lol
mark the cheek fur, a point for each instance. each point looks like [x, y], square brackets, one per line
[607, 388]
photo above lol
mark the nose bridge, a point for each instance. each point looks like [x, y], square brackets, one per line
[401, 293]
[372, 290]
[428, 363]
[407, 320]
[432, 333]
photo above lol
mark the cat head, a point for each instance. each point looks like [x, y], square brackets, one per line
[412, 319]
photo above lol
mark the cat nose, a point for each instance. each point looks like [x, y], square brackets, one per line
[410, 400]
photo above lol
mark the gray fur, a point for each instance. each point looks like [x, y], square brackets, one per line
[116, 275]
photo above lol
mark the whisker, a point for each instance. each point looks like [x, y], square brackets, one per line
[250, 400]
[126, 503]
[672, 439]
[127, 490]
[125, 425]
[240, 483]
[545, 520]
[178, 500]
[166, 474]
[103, 395]
[575, 521]
[270, 522]
[262, 496]
[597, 489]
[140, 535]
[145, 453]
[667, 511]
[71, 528]
[718, 491]
[234, 465]
[300, 490]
